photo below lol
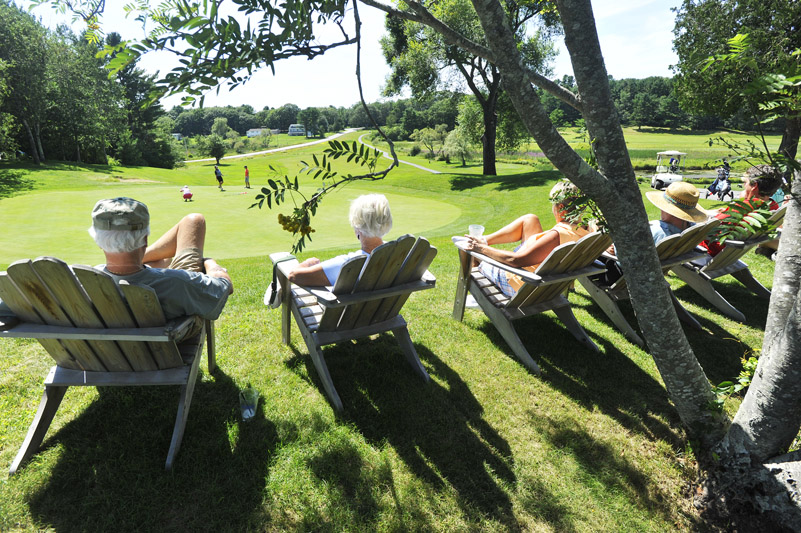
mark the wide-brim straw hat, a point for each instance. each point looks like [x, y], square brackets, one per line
[680, 199]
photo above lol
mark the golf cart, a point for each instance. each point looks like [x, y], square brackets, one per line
[669, 167]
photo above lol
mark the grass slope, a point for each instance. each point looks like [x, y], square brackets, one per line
[592, 445]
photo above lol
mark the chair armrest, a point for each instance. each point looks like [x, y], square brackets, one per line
[326, 298]
[527, 276]
[284, 262]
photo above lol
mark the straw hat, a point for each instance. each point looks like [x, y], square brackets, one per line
[680, 199]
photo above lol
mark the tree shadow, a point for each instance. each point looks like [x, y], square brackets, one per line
[611, 471]
[438, 431]
[110, 472]
[594, 380]
[13, 181]
[509, 182]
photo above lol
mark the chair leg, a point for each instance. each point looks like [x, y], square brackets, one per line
[703, 286]
[462, 285]
[187, 390]
[745, 277]
[683, 314]
[565, 314]
[51, 399]
[211, 346]
[316, 353]
[610, 307]
[402, 335]
[507, 331]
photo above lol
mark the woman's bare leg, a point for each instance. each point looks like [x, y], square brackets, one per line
[190, 232]
[519, 230]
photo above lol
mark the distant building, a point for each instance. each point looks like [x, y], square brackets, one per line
[296, 129]
[255, 132]
[177, 136]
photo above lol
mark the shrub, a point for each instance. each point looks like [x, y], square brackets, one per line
[414, 150]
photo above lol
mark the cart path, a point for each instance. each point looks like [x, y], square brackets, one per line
[386, 154]
[312, 143]
[274, 150]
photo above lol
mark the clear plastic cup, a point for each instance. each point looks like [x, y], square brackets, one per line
[475, 230]
[248, 400]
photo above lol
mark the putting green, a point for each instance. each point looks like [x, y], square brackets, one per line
[55, 223]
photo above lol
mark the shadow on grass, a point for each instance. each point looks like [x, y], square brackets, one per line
[594, 380]
[58, 166]
[509, 182]
[437, 431]
[110, 475]
[13, 181]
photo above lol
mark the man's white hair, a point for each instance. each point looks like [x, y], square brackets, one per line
[118, 241]
[370, 215]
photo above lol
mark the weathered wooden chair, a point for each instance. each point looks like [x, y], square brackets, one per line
[544, 290]
[365, 300]
[672, 251]
[100, 334]
[699, 273]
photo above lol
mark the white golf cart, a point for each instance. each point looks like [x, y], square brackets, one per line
[669, 168]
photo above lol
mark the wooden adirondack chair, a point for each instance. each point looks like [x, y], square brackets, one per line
[100, 334]
[699, 273]
[672, 251]
[543, 290]
[365, 300]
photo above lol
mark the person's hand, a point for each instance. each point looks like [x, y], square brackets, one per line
[475, 244]
[480, 240]
[310, 262]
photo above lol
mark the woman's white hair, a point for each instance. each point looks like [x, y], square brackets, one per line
[370, 215]
[118, 241]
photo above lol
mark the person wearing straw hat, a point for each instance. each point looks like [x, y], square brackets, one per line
[679, 206]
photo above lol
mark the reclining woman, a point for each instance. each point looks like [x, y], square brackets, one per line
[535, 244]
[371, 219]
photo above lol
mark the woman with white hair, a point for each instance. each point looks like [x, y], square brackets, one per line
[371, 219]
[535, 244]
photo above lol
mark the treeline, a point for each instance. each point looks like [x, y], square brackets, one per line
[402, 117]
[57, 101]
[648, 102]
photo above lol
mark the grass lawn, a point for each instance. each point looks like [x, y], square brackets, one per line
[592, 445]
[643, 146]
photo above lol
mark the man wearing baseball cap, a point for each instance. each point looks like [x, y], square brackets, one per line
[186, 283]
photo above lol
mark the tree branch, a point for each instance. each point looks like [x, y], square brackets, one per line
[423, 16]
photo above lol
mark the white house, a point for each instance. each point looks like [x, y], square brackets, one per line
[255, 132]
[296, 129]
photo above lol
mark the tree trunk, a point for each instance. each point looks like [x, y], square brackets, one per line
[39, 142]
[746, 475]
[489, 108]
[34, 151]
[617, 194]
[792, 131]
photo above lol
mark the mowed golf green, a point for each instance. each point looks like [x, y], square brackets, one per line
[55, 223]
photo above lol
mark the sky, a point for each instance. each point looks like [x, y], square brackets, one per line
[636, 38]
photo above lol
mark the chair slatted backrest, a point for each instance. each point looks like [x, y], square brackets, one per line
[731, 254]
[57, 297]
[391, 264]
[684, 242]
[563, 259]
[414, 267]
[385, 276]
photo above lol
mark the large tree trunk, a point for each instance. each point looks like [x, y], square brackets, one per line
[489, 108]
[746, 473]
[617, 194]
[38, 134]
[790, 136]
[32, 141]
